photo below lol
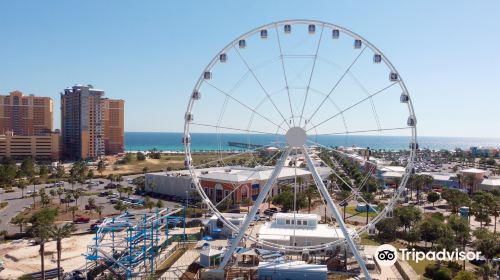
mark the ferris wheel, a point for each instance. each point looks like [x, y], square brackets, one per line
[300, 87]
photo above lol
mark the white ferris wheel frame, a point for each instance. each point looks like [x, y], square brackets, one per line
[413, 146]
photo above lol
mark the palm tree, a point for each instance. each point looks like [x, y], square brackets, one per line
[73, 210]
[58, 233]
[60, 192]
[42, 222]
[99, 209]
[471, 181]
[76, 196]
[34, 195]
[91, 204]
[100, 167]
[311, 193]
[67, 199]
[20, 221]
[22, 184]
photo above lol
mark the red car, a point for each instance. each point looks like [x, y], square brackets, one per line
[81, 220]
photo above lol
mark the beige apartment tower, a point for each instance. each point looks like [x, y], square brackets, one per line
[91, 125]
[26, 127]
[25, 115]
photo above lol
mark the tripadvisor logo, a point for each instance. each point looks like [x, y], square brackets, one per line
[387, 255]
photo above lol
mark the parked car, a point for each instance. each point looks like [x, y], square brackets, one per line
[105, 193]
[271, 211]
[113, 200]
[89, 207]
[81, 220]
[60, 184]
[110, 186]
[113, 195]
[64, 200]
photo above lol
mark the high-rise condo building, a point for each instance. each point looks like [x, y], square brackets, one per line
[25, 115]
[91, 125]
[26, 127]
[113, 118]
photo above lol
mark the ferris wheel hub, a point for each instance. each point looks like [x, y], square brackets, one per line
[296, 137]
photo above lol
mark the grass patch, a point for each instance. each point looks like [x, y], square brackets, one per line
[351, 210]
[3, 204]
[420, 266]
[366, 240]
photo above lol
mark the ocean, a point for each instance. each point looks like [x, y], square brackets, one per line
[172, 141]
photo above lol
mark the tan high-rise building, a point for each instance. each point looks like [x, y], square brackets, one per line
[91, 125]
[113, 117]
[25, 115]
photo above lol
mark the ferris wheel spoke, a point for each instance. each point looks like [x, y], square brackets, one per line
[354, 105]
[335, 211]
[233, 128]
[365, 131]
[284, 73]
[311, 75]
[254, 111]
[260, 84]
[250, 216]
[338, 82]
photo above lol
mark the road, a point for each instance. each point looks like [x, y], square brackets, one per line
[17, 204]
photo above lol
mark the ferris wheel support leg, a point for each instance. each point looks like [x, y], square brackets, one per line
[256, 206]
[324, 192]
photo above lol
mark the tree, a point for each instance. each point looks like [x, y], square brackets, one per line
[464, 275]
[28, 167]
[19, 220]
[67, 199]
[148, 203]
[129, 191]
[43, 171]
[73, 210]
[432, 230]
[408, 215]
[140, 156]
[91, 204]
[90, 175]
[99, 209]
[60, 192]
[387, 228]
[286, 200]
[432, 197]
[487, 243]
[455, 199]
[76, 196]
[120, 206]
[145, 169]
[101, 167]
[22, 184]
[247, 202]
[41, 224]
[60, 172]
[159, 204]
[311, 193]
[34, 195]
[59, 233]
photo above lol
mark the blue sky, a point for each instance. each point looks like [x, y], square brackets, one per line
[150, 53]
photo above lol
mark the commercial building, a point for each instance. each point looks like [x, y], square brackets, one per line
[219, 182]
[39, 147]
[490, 184]
[91, 126]
[25, 115]
[299, 230]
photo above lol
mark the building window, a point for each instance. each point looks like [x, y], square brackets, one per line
[304, 223]
[299, 222]
[287, 222]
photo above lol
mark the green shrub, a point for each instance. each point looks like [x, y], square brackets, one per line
[442, 274]
[430, 270]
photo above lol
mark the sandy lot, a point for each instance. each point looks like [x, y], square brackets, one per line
[20, 258]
